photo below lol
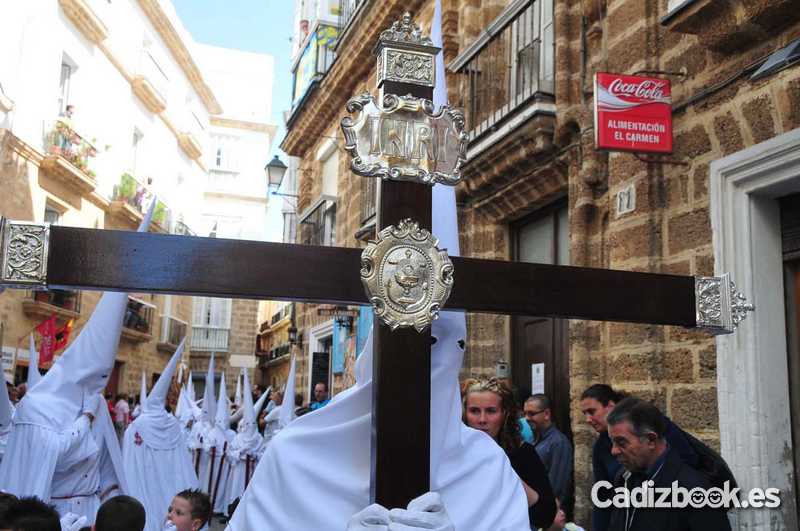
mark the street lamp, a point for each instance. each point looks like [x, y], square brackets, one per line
[292, 335]
[275, 170]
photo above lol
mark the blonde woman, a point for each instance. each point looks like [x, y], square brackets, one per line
[489, 406]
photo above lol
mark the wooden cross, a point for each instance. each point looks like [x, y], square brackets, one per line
[90, 259]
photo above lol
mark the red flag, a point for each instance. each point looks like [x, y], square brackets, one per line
[62, 336]
[47, 329]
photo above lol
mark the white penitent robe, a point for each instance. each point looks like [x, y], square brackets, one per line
[215, 466]
[90, 471]
[242, 458]
[157, 465]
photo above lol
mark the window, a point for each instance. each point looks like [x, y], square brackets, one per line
[63, 86]
[52, 215]
[318, 225]
[226, 150]
[211, 323]
[218, 160]
[135, 142]
[289, 227]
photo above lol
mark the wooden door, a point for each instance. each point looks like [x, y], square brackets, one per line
[543, 238]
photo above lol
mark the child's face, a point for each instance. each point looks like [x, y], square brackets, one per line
[180, 514]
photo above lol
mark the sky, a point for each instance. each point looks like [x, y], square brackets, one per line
[263, 26]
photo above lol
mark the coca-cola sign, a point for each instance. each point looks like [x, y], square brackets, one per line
[632, 113]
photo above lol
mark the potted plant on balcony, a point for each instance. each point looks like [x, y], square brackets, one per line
[160, 213]
[126, 189]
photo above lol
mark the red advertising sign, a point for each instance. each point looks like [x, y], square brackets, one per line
[632, 113]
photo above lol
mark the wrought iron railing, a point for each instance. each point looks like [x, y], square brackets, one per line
[137, 195]
[347, 11]
[210, 338]
[173, 330]
[182, 229]
[61, 298]
[139, 316]
[280, 350]
[60, 139]
[507, 66]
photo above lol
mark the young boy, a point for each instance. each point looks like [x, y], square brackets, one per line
[190, 510]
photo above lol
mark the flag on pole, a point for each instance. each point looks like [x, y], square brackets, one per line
[47, 329]
[62, 335]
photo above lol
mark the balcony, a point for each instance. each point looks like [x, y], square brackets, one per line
[69, 156]
[182, 229]
[87, 22]
[131, 199]
[150, 83]
[173, 331]
[348, 10]
[280, 315]
[312, 64]
[192, 135]
[508, 68]
[209, 338]
[42, 304]
[274, 356]
[137, 326]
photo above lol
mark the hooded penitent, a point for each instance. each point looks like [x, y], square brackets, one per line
[216, 447]
[6, 414]
[34, 376]
[245, 449]
[156, 462]
[203, 418]
[50, 429]
[326, 453]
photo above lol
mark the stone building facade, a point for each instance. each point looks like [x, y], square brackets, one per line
[536, 189]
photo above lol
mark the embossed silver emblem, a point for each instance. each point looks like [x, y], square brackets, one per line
[404, 140]
[405, 55]
[720, 307]
[407, 279]
[23, 253]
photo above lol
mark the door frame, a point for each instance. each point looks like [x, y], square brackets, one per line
[315, 337]
[752, 370]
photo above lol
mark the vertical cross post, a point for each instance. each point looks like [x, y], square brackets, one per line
[402, 358]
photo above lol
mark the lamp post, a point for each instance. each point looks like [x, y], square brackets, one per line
[275, 170]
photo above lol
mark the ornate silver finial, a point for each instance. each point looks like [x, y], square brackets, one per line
[405, 55]
[720, 306]
[23, 253]
[405, 31]
[407, 279]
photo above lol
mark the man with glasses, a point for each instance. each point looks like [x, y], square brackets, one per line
[553, 447]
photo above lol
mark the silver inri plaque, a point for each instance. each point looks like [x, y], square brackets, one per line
[405, 140]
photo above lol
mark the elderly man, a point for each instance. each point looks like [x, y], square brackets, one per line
[637, 430]
[552, 446]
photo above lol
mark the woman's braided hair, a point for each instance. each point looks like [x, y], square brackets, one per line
[509, 437]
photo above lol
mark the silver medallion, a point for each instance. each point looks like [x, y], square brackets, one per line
[407, 279]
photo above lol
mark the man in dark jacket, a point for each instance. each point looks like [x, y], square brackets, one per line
[597, 402]
[637, 430]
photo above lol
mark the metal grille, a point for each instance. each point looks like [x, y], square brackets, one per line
[509, 68]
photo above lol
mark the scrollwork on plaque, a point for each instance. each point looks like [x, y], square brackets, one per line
[408, 67]
[720, 306]
[403, 139]
[23, 253]
[407, 279]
